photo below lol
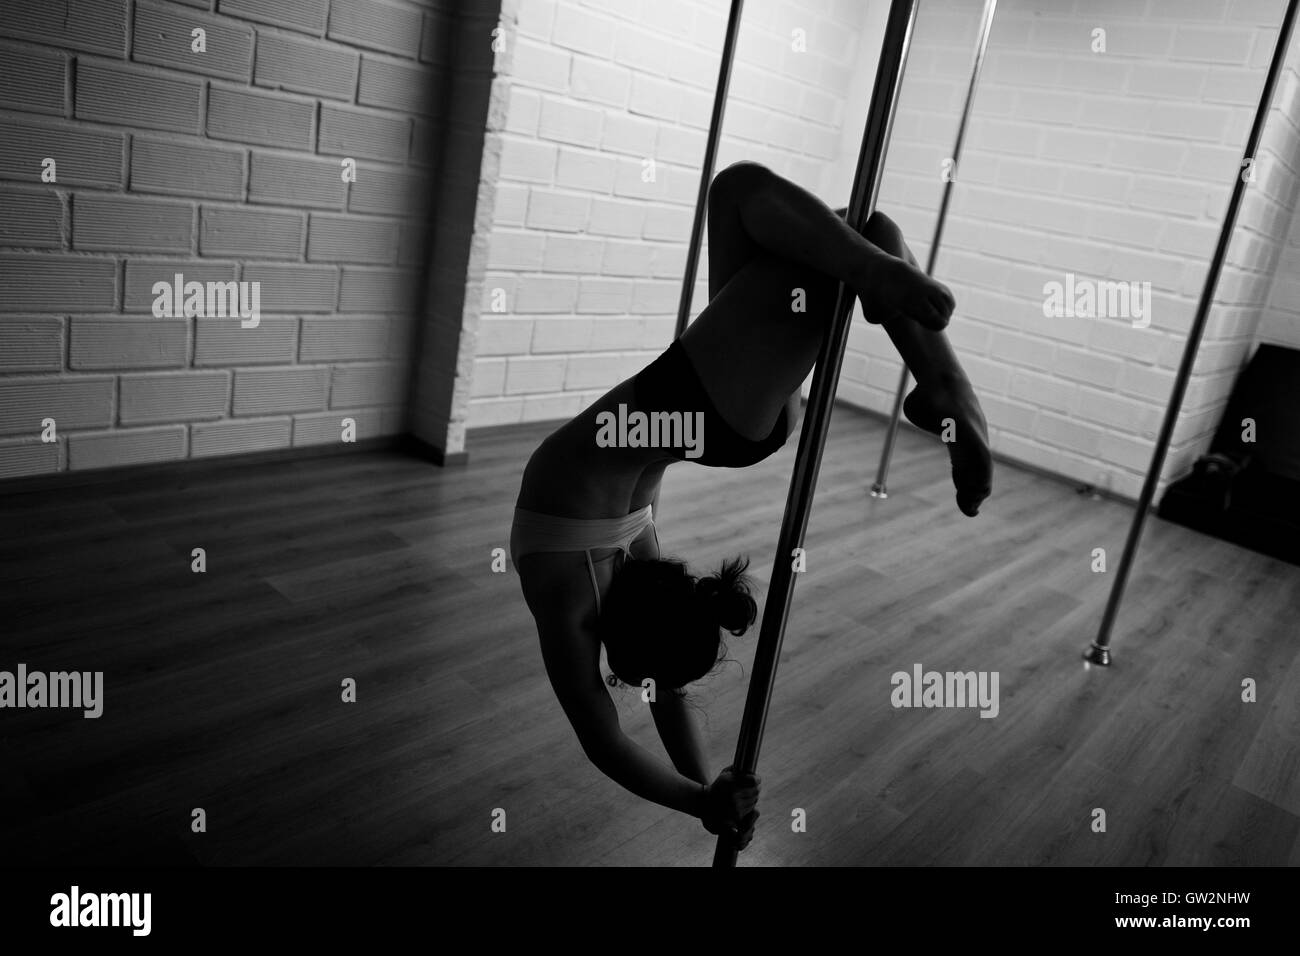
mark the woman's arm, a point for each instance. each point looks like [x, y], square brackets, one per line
[681, 736]
[557, 594]
[590, 710]
[560, 599]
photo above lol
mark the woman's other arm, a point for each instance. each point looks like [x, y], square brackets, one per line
[563, 607]
[681, 735]
[561, 601]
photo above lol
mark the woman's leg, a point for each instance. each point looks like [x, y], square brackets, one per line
[777, 254]
[942, 392]
[768, 236]
[753, 210]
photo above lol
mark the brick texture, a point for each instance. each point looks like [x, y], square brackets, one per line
[239, 437]
[1112, 169]
[306, 15]
[134, 446]
[240, 231]
[141, 274]
[186, 396]
[260, 391]
[73, 402]
[105, 342]
[295, 288]
[128, 157]
[351, 239]
[58, 283]
[164, 35]
[82, 157]
[226, 342]
[285, 180]
[376, 26]
[364, 133]
[33, 80]
[140, 99]
[95, 26]
[30, 218]
[102, 222]
[262, 118]
[185, 169]
[31, 343]
[306, 66]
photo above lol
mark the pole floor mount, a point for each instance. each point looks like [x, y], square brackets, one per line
[1096, 654]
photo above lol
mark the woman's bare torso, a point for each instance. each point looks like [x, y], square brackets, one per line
[570, 475]
[751, 354]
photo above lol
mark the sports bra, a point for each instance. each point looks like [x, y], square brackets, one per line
[532, 532]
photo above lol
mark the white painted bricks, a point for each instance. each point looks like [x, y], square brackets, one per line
[222, 166]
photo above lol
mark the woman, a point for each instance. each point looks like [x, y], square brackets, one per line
[583, 539]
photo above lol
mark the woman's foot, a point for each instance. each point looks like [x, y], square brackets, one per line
[951, 411]
[891, 286]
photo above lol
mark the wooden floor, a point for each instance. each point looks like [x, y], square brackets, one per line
[223, 688]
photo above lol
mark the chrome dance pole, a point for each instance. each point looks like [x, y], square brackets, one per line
[1098, 651]
[817, 417]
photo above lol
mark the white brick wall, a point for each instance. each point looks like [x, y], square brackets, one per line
[226, 167]
[1113, 167]
[223, 165]
[1280, 322]
[588, 253]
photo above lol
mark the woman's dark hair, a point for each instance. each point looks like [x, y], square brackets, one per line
[660, 621]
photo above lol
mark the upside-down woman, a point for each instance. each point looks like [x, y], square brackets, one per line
[583, 539]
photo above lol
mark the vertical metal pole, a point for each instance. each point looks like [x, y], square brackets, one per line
[706, 178]
[879, 489]
[812, 438]
[706, 172]
[1098, 651]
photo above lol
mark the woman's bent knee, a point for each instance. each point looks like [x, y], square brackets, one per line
[743, 174]
[884, 232]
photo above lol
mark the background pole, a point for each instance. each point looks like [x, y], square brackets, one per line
[706, 172]
[812, 438]
[1098, 651]
[879, 489]
[706, 178]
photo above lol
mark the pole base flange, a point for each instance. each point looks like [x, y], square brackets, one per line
[1096, 654]
[878, 491]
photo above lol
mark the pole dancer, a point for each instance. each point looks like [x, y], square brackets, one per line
[583, 538]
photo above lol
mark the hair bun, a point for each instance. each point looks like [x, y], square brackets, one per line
[727, 598]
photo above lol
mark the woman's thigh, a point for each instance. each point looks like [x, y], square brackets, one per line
[758, 338]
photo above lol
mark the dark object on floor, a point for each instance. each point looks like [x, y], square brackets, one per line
[1244, 491]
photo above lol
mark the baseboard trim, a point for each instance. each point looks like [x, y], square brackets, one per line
[168, 470]
[419, 448]
[1056, 476]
